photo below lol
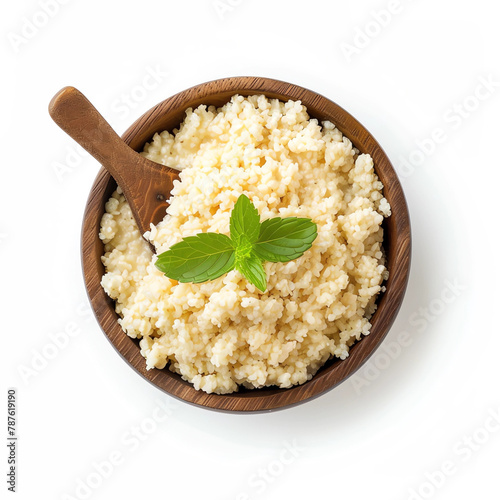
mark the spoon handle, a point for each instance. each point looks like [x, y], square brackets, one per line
[77, 116]
[145, 184]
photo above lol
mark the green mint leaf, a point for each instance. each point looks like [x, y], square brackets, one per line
[208, 256]
[282, 240]
[252, 269]
[244, 221]
[199, 258]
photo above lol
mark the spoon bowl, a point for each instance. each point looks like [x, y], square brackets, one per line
[167, 115]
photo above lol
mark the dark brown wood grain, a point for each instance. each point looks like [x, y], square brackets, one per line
[145, 184]
[166, 116]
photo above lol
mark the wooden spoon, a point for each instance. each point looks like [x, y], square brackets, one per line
[145, 184]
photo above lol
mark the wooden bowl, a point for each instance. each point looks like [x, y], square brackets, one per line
[397, 242]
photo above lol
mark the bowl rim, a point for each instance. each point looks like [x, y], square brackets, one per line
[389, 302]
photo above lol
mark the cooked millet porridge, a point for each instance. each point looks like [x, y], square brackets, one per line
[225, 333]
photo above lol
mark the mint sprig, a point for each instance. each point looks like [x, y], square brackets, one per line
[208, 256]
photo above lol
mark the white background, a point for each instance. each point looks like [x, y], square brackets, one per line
[383, 434]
